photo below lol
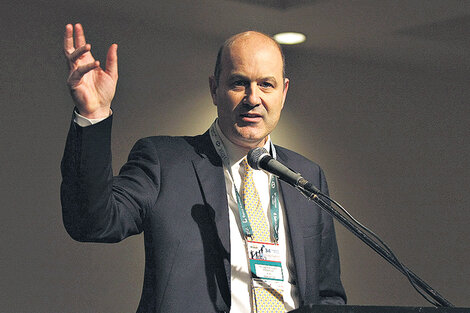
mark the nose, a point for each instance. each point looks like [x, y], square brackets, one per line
[252, 97]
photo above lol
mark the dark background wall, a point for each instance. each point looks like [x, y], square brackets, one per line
[391, 136]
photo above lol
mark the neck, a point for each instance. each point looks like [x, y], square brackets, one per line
[236, 148]
[243, 144]
[247, 146]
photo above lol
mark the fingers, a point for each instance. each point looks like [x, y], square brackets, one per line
[112, 62]
[74, 37]
[78, 73]
[75, 47]
[82, 70]
[68, 39]
[70, 42]
[79, 36]
[79, 52]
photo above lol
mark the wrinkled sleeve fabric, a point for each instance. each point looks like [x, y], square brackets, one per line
[96, 206]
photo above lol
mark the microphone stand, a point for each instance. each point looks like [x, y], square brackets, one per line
[313, 193]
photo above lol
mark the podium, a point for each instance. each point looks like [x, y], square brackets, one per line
[375, 309]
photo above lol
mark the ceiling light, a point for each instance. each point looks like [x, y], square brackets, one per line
[289, 38]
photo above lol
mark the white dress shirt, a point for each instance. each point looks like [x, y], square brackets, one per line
[241, 296]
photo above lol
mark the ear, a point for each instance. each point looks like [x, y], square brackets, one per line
[213, 89]
[284, 91]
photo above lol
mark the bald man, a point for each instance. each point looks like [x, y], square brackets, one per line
[200, 254]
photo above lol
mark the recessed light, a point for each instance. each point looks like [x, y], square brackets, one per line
[289, 38]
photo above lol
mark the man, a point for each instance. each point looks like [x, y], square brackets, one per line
[197, 245]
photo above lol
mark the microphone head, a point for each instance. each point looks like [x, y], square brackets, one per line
[254, 157]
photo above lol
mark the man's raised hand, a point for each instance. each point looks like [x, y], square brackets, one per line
[92, 88]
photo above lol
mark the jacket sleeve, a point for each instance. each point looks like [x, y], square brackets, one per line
[95, 205]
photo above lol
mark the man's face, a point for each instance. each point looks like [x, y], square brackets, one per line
[251, 90]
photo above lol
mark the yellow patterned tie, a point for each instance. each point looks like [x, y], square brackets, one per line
[266, 300]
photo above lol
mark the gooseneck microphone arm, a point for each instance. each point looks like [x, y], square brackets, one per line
[259, 158]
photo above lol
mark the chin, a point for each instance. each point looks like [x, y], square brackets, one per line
[250, 137]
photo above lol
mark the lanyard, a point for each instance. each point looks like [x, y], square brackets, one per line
[273, 188]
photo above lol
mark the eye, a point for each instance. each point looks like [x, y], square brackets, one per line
[239, 83]
[266, 85]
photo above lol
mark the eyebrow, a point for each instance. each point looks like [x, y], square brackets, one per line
[243, 77]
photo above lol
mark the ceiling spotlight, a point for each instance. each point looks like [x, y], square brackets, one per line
[289, 38]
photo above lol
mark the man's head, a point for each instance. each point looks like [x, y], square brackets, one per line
[249, 88]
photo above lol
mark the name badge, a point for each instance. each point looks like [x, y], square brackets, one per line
[265, 264]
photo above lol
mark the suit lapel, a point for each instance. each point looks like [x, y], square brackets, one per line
[209, 171]
[294, 222]
[212, 182]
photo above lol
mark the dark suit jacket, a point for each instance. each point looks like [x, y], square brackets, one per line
[173, 189]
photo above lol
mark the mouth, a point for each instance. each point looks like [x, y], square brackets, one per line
[251, 117]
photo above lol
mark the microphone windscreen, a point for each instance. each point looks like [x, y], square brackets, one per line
[254, 156]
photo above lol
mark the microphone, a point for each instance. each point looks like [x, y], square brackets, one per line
[259, 158]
